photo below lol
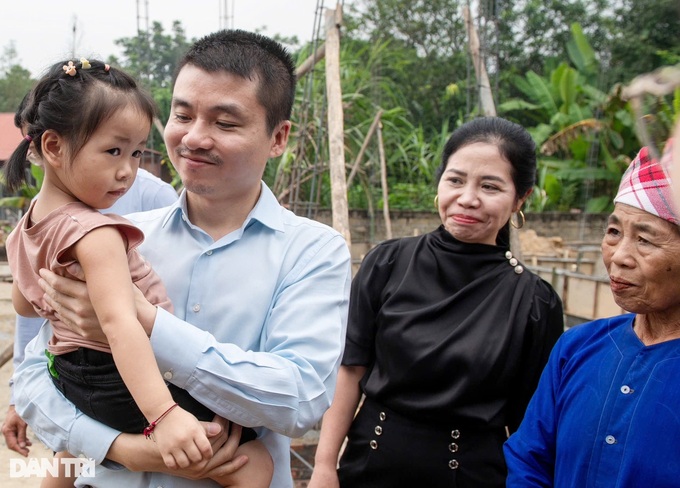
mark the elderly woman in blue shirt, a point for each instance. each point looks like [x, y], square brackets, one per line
[607, 408]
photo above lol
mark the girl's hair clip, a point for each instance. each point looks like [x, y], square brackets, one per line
[85, 64]
[69, 69]
[28, 138]
[107, 68]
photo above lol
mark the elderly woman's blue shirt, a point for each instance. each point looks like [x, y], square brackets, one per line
[606, 413]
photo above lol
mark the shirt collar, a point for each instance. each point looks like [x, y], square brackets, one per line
[267, 210]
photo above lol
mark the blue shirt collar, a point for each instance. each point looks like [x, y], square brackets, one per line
[267, 210]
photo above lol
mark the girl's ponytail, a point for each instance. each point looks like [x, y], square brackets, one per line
[15, 166]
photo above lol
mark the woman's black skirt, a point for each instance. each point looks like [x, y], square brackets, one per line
[389, 450]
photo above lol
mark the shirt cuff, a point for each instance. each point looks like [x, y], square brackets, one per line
[172, 339]
[85, 429]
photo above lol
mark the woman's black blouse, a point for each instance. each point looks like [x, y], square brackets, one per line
[449, 330]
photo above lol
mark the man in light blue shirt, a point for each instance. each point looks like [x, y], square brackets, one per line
[260, 294]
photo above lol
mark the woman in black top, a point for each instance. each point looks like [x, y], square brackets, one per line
[447, 334]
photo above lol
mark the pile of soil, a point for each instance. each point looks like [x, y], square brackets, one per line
[534, 245]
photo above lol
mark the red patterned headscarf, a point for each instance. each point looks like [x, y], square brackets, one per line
[646, 185]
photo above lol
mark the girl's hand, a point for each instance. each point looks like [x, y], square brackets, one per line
[181, 439]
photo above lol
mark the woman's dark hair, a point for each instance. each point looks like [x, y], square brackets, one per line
[250, 56]
[513, 141]
[73, 106]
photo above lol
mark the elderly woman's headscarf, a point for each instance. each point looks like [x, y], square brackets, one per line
[646, 185]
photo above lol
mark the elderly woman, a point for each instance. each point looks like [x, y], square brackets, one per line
[607, 408]
[447, 333]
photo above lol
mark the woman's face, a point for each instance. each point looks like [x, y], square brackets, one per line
[476, 193]
[642, 255]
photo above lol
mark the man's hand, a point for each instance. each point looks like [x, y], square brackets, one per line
[223, 462]
[139, 454]
[71, 302]
[224, 444]
[14, 430]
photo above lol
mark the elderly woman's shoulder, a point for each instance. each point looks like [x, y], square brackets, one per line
[599, 328]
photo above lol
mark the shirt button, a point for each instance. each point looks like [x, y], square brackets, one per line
[453, 464]
[625, 389]
[196, 308]
[455, 433]
[610, 439]
[373, 444]
[382, 416]
[209, 253]
[167, 375]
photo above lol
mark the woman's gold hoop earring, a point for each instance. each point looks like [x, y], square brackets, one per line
[523, 220]
[436, 202]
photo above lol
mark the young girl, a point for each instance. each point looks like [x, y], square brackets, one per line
[88, 123]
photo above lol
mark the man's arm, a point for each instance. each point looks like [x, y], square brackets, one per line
[288, 386]
[14, 428]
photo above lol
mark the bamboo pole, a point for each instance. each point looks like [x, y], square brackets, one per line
[367, 139]
[336, 142]
[309, 63]
[383, 182]
[485, 95]
[159, 126]
[7, 354]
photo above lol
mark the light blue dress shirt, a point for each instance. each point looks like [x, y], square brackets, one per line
[148, 192]
[266, 313]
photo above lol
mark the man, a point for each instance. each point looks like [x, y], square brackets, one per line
[263, 292]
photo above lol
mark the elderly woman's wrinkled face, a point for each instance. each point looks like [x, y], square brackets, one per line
[642, 255]
[476, 193]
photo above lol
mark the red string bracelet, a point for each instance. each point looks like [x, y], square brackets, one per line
[149, 430]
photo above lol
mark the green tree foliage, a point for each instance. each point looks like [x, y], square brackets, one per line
[430, 39]
[585, 135]
[152, 57]
[15, 81]
[647, 36]
[531, 32]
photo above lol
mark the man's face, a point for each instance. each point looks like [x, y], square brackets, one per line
[217, 136]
